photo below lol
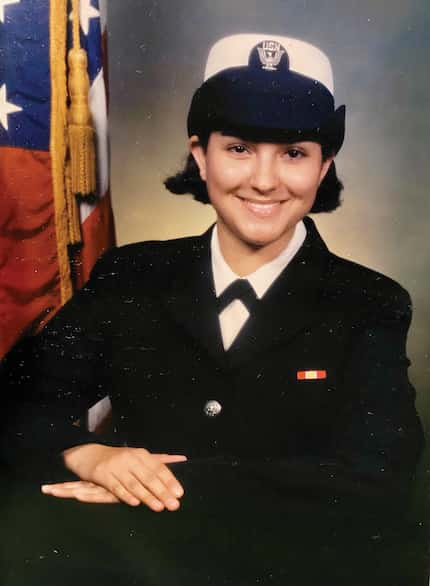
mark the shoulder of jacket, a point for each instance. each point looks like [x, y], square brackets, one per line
[141, 256]
[367, 287]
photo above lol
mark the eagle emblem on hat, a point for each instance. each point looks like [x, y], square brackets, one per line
[270, 53]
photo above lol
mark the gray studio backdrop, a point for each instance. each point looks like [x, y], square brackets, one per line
[380, 53]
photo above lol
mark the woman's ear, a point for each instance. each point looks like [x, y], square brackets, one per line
[199, 155]
[325, 167]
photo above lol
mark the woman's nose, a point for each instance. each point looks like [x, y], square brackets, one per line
[264, 176]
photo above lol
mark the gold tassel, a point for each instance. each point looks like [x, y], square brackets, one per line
[80, 129]
[74, 220]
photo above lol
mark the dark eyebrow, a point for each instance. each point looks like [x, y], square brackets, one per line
[257, 136]
[285, 143]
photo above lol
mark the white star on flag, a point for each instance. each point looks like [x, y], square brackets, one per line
[86, 11]
[6, 107]
[4, 3]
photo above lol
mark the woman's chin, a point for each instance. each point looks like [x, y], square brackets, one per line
[261, 237]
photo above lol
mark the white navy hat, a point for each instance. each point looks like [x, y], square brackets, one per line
[268, 86]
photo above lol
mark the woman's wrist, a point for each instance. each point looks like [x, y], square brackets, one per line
[80, 459]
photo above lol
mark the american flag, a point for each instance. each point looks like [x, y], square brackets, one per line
[32, 278]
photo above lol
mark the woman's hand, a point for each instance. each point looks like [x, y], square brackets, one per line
[130, 475]
[81, 490]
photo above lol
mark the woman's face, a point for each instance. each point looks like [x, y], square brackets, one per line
[259, 190]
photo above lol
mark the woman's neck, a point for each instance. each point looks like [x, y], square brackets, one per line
[245, 258]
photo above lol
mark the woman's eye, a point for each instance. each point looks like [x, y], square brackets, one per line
[294, 153]
[238, 148]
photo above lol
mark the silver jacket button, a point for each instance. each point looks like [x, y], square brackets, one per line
[212, 408]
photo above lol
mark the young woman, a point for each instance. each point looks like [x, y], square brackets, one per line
[251, 347]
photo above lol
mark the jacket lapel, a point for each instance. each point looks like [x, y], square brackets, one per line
[191, 299]
[290, 304]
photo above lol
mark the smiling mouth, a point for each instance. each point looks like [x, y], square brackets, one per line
[262, 209]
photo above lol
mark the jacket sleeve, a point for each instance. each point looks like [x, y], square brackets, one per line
[378, 438]
[51, 380]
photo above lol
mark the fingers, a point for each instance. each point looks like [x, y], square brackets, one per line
[148, 480]
[135, 476]
[147, 485]
[154, 471]
[92, 493]
[170, 458]
[130, 490]
[82, 491]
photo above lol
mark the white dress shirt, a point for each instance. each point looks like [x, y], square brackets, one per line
[234, 316]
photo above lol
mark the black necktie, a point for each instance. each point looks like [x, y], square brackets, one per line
[239, 289]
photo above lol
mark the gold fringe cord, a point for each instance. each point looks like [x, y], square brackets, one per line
[75, 234]
[58, 139]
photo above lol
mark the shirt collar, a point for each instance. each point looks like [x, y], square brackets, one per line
[263, 277]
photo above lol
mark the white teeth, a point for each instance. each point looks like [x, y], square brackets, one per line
[262, 209]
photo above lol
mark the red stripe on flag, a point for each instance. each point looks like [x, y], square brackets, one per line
[29, 276]
[98, 234]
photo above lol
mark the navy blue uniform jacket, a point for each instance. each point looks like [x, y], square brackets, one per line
[145, 331]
